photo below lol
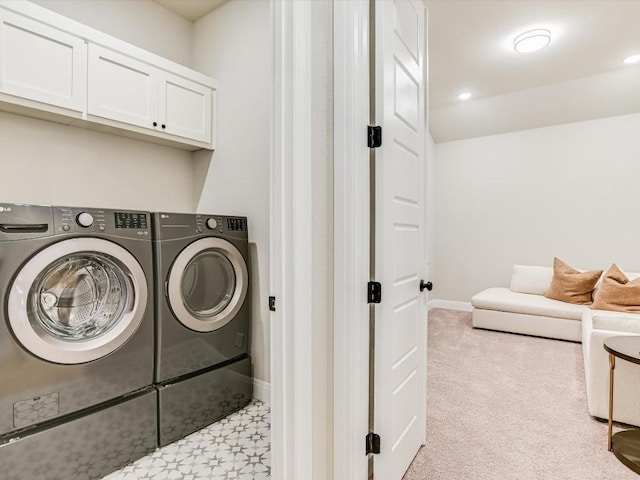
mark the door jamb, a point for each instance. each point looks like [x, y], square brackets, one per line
[291, 248]
[351, 238]
[291, 241]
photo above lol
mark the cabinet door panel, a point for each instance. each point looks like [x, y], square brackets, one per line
[121, 88]
[41, 63]
[185, 107]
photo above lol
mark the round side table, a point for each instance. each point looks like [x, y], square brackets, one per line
[625, 444]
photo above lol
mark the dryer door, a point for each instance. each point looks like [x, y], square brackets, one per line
[207, 284]
[77, 300]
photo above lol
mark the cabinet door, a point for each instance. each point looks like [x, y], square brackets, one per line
[122, 89]
[185, 108]
[41, 63]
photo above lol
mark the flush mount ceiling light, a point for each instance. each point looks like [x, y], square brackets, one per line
[532, 40]
[632, 59]
[464, 96]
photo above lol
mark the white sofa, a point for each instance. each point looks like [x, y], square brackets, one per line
[523, 308]
[597, 326]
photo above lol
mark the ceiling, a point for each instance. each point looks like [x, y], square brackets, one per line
[579, 76]
[191, 9]
[470, 49]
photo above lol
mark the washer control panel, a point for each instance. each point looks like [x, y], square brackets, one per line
[85, 219]
[212, 223]
[95, 221]
[68, 219]
[131, 220]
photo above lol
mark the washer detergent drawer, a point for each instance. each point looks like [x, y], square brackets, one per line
[197, 401]
[86, 447]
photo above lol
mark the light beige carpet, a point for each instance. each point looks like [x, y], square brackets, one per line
[503, 406]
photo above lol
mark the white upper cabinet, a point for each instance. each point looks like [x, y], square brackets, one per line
[41, 64]
[123, 89]
[185, 107]
[58, 69]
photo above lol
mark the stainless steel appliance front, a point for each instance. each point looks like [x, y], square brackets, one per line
[77, 329]
[203, 370]
[202, 285]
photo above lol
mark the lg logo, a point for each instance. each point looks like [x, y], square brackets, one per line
[5, 209]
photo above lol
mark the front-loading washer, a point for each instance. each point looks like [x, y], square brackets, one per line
[203, 368]
[76, 337]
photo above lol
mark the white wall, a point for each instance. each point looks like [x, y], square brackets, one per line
[143, 23]
[524, 197]
[49, 163]
[233, 45]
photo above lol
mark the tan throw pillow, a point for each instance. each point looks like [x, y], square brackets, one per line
[571, 285]
[617, 293]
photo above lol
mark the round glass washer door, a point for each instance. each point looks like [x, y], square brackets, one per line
[77, 300]
[207, 284]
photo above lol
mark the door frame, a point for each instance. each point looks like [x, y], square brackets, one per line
[351, 238]
[352, 234]
[291, 241]
[291, 247]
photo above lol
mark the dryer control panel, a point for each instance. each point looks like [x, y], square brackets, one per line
[220, 224]
[185, 225]
[237, 224]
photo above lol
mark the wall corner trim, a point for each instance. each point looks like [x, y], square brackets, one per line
[262, 391]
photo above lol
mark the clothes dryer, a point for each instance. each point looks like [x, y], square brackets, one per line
[203, 370]
[76, 334]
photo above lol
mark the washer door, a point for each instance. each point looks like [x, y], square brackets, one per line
[77, 300]
[207, 284]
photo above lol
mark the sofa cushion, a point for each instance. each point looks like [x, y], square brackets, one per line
[531, 279]
[615, 321]
[506, 300]
[571, 285]
[617, 292]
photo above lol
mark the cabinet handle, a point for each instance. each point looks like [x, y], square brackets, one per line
[155, 124]
[164, 126]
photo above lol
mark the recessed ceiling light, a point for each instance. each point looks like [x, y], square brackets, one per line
[632, 59]
[532, 40]
[464, 96]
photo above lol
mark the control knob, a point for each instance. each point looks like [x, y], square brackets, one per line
[84, 219]
[211, 223]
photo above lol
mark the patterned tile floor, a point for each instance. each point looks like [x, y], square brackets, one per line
[236, 447]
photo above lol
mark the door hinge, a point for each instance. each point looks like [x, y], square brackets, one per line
[272, 304]
[373, 443]
[374, 136]
[374, 292]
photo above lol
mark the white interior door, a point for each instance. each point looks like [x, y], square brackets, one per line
[400, 219]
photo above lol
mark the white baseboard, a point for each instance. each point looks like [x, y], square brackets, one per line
[450, 305]
[262, 391]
